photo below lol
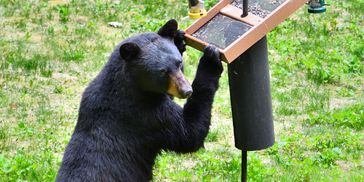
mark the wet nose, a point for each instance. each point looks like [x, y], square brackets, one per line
[186, 92]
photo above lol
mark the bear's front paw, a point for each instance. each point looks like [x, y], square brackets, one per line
[179, 41]
[211, 60]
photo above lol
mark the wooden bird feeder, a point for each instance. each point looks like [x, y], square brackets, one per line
[224, 27]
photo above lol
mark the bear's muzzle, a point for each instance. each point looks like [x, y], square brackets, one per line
[179, 86]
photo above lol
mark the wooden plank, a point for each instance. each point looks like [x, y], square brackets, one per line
[200, 45]
[195, 42]
[235, 13]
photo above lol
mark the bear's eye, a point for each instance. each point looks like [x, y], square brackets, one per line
[179, 64]
[162, 71]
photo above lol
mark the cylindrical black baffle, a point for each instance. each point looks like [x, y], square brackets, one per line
[251, 99]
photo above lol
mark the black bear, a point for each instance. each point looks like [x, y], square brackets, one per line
[127, 114]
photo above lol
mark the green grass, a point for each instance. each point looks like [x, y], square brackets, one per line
[50, 51]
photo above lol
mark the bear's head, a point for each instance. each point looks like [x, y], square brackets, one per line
[154, 62]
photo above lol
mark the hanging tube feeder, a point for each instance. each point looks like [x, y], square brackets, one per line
[196, 9]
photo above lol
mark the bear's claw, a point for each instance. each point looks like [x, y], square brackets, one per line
[212, 57]
[212, 52]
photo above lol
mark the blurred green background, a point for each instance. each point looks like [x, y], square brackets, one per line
[51, 50]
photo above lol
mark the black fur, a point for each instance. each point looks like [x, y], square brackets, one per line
[122, 126]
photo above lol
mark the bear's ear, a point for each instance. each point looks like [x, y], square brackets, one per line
[169, 29]
[129, 50]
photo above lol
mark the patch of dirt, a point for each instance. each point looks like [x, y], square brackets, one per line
[36, 38]
[336, 103]
[58, 2]
[189, 164]
[63, 77]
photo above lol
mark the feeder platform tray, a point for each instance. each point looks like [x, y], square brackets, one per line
[224, 27]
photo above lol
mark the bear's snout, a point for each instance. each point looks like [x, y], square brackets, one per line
[186, 92]
[179, 86]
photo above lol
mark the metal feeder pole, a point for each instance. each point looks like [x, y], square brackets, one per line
[244, 164]
[245, 9]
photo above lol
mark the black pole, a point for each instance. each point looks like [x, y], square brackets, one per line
[245, 8]
[244, 164]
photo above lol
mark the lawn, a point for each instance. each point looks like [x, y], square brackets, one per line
[51, 50]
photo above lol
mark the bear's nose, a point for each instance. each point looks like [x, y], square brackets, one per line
[185, 93]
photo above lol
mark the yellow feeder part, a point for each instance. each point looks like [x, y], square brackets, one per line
[196, 9]
[197, 13]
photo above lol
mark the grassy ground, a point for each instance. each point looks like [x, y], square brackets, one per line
[50, 50]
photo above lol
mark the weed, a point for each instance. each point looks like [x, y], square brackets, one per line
[64, 13]
[352, 117]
